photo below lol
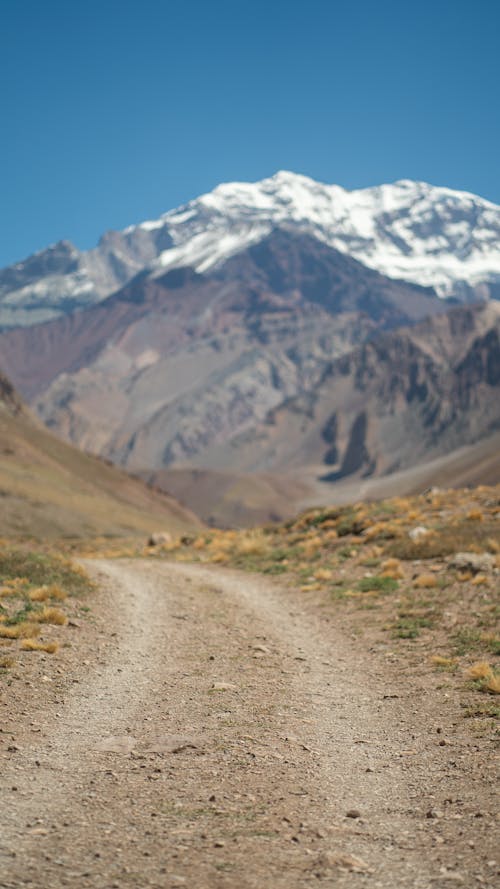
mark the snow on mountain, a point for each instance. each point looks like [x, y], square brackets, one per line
[424, 234]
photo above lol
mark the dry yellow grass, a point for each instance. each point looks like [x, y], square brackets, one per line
[9, 632]
[323, 574]
[32, 645]
[6, 662]
[13, 586]
[251, 545]
[48, 591]
[24, 628]
[425, 581]
[386, 530]
[390, 564]
[52, 616]
[218, 557]
[480, 580]
[488, 678]
[475, 515]
[492, 684]
[464, 576]
[392, 568]
[443, 662]
[480, 670]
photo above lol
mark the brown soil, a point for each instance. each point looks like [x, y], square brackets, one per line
[212, 729]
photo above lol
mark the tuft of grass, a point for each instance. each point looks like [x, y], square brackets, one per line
[446, 664]
[485, 677]
[378, 584]
[51, 616]
[6, 663]
[31, 645]
[425, 581]
[46, 592]
[480, 670]
[408, 626]
[24, 628]
[492, 684]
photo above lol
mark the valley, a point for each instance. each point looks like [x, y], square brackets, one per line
[316, 341]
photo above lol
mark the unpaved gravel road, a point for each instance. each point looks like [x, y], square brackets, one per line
[208, 729]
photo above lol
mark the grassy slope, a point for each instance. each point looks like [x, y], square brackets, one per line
[49, 489]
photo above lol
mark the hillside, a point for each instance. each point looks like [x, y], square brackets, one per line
[51, 490]
[235, 499]
[404, 398]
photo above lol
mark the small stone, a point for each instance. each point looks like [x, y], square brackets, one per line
[219, 844]
[159, 538]
[353, 813]
[224, 686]
[418, 533]
[475, 562]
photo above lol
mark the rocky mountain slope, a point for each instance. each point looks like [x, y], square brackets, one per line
[428, 235]
[172, 366]
[49, 489]
[403, 398]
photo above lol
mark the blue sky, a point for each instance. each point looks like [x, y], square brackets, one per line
[116, 111]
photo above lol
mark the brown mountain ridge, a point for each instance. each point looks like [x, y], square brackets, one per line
[49, 489]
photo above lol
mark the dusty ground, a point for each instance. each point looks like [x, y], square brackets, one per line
[213, 729]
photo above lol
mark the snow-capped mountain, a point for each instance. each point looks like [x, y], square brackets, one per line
[414, 231]
[421, 233]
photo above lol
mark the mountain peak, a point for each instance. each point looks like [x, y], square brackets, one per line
[420, 233]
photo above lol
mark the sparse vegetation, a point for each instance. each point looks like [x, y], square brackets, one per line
[29, 582]
[416, 594]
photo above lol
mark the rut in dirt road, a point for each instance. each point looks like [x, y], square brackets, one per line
[221, 736]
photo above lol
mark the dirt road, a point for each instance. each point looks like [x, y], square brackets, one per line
[207, 729]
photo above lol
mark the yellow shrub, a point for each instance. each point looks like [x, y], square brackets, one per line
[425, 581]
[52, 616]
[492, 684]
[9, 632]
[26, 628]
[392, 568]
[440, 661]
[480, 580]
[480, 670]
[381, 529]
[219, 556]
[31, 645]
[323, 574]
[475, 515]
[40, 594]
[464, 576]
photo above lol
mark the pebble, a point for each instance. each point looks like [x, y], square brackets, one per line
[353, 813]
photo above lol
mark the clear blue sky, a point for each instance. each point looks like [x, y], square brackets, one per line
[116, 111]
